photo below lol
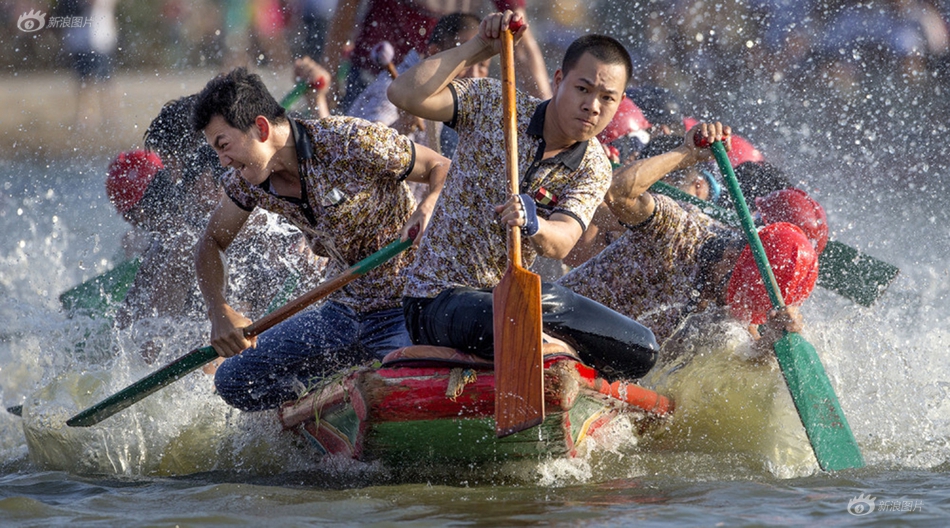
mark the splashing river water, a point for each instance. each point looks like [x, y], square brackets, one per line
[734, 452]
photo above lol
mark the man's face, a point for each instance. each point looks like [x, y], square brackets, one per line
[245, 152]
[475, 71]
[587, 97]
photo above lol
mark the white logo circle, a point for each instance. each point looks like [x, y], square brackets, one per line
[861, 505]
[31, 21]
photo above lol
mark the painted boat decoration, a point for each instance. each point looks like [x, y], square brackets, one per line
[436, 405]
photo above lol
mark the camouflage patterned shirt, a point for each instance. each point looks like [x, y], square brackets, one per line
[651, 273]
[465, 244]
[355, 201]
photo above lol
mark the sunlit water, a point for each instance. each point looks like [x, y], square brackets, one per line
[734, 454]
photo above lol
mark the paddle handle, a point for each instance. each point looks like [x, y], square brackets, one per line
[201, 356]
[300, 89]
[748, 226]
[327, 287]
[510, 129]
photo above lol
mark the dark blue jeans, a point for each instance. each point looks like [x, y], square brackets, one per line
[304, 349]
[461, 318]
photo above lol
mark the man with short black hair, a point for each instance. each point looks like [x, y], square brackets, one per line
[340, 180]
[564, 175]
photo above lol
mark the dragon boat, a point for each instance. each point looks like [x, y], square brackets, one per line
[436, 405]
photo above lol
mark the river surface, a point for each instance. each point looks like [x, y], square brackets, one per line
[183, 458]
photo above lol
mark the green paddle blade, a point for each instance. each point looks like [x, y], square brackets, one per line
[831, 438]
[854, 275]
[825, 424]
[143, 387]
[97, 296]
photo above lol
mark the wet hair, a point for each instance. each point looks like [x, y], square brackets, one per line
[760, 179]
[239, 97]
[659, 105]
[660, 144]
[161, 196]
[171, 136]
[446, 32]
[713, 251]
[603, 48]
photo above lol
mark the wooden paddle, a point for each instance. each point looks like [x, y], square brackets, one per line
[827, 428]
[201, 356]
[841, 268]
[516, 300]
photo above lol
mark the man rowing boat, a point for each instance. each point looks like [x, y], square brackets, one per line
[674, 260]
[340, 180]
[564, 174]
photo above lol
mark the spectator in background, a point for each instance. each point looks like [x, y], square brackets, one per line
[270, 33]
[91, 49]
[373, 104]
[314, 18]
[881, 36]
[786, 30]
[407, 24]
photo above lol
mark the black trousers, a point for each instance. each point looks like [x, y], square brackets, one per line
[461, 318]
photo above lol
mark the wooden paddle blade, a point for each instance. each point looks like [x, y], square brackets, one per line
[854, 275]
[519, 368]
[827, 428]
[143, 387]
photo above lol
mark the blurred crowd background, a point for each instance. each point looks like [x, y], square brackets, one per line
[671, 40]
[759, 63]
[675, 42]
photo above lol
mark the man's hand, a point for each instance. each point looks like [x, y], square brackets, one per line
[703, 135]
[317, 78]
[227, 332]
[512, 212]
[307, 70]
[489, 31]
[416, 225]
[780, 320]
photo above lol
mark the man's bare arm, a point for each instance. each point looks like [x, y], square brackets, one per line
[423, 89]
[627, 196]
[211, 267]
